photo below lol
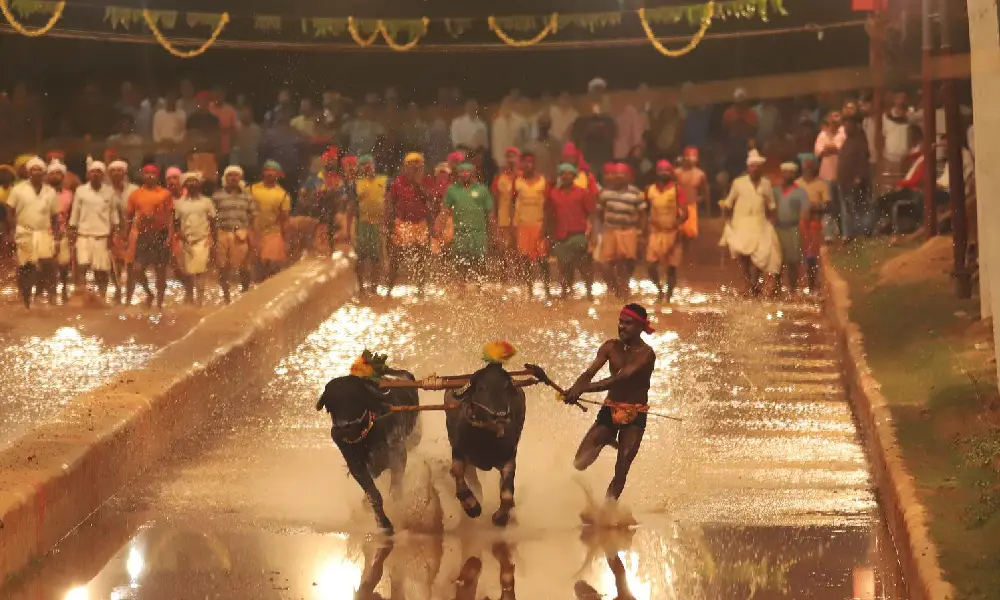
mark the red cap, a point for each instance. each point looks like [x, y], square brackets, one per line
[330, 154]
[622, 169]
[664, 164]
[349, 159]
[691, 152]
[513, 150]
[151, 168]
[609, 167]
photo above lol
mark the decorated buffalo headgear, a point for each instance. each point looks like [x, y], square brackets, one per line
[370, 366]
[499, 352]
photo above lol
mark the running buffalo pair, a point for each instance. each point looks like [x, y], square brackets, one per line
[374, 431]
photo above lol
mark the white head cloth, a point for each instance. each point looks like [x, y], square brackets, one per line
[597, 82]
[96, 165]
[56, 165]
[191, 175]
[790, 166]
[34, 162]
[740, 94]
[118, 164]
[232, 169]
[754, 158]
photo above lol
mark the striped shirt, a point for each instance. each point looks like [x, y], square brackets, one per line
[622, 208]
[235, 211]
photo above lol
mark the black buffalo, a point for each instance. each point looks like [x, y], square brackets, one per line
[370, 436]
[484, 432]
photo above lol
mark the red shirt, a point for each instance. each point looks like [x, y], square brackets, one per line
[411, 204]
[569, 208]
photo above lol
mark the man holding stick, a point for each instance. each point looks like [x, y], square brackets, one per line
[621, 422]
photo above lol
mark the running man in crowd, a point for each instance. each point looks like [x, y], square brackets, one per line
[195, 216]
[529, 222]
[790, 218]
[471, 206]
[235, 210]
[273, 207]
[149, 217]
[668, 210]
[569, 209]
[56, 172]
[818, 192]
[409, 216]
[33, 211]
[622, 207]
[622, 422]
[370, 219]
[748, 233]
[94, 221]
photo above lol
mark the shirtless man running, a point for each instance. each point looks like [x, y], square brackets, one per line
[622, 423]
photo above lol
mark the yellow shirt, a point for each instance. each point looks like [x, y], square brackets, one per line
[663, 210]
[529, 207]
[504, 198]
[271, 202]
[371, 199]
[817, 190]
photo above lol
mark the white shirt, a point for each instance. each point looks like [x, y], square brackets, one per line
[119, 201]
[169, 126]
[92, 214]
[512, 130]
[749, 202]
[33, 210]
[470, 132]
[828, 164]
[195, 215]
[967, 169]
[897, 139]
[562, 121]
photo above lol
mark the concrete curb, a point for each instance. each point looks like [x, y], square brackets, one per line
[54, 477]
[906, 515]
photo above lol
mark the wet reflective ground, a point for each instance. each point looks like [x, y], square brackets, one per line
[762, 492]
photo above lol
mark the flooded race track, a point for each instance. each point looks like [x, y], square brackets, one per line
[763, 491]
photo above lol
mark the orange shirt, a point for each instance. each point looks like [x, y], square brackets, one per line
[151, 208]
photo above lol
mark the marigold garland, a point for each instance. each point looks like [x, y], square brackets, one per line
[56, 15]
[498, 352]
[552, 27]
[401, 47]
[223, 20]
[364, 43]
[706, 22]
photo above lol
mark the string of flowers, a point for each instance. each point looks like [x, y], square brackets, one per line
[551, 27]
[353, 29]
[706, 22]
[56, 15]
[169, 47]
[401, 47]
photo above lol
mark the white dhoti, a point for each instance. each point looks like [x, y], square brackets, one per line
[196, 257]
[63, 256]
[93, 252]
[758, 240]
[33, 245]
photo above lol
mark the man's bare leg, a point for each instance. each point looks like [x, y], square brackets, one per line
[161, 284]
[101, 278]
[593, 442]
[629, 440]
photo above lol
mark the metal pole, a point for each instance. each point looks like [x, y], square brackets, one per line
[930, 135]
[956, 167]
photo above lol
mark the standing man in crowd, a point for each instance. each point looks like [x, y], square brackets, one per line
[748, 233]
[569, 209]
[149, 217]
[172, 181]
[529, 222]
[34, 210]
[408, 217]
[790, 218]
[818, 194]
[371, 224]
[594, 133]
[471, 206]
[853, 182]
[622, 208]
[503, 192]
[273, 207]
[235, 210]
[694, 182]
[468, 130]
[123, 253]
[827, 149]
[64, 256]
[668, 209]
[93, 220]
[195, 216]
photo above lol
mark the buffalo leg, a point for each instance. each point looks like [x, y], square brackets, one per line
[470, 504]
[502, 516]
[472, 478]
[364, 479]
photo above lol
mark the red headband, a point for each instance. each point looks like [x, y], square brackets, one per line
[151, 169]
[628, 312]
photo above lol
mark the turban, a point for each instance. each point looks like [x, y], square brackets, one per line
[790, 166]
[622, 169]
[55, 165]
[807, 157]
[456, 157]
[413, 158]
[110, 154]
[349, 159]
[466, 168]
[609, 167]
[596, 82]
[330, 154]
[233, 169]
[570, 150]
[173, 172]
[118, 164]
[642, 319]
[442, 168]
[21, 161]
[191, 175]
[513, 150]
[740, 94]
[568, 168]
[754, 158]
[365, 159]
[691, 152]
[272, 165]
[35, 163]
[96, 165]
[151, 169]
[664, 164]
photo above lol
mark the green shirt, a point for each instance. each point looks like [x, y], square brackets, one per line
[471, 207]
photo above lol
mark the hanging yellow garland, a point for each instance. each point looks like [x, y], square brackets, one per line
[552, 26]
[706, 22]
[364, 43]
[402, 47]
[56, 15]
[223, 19]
